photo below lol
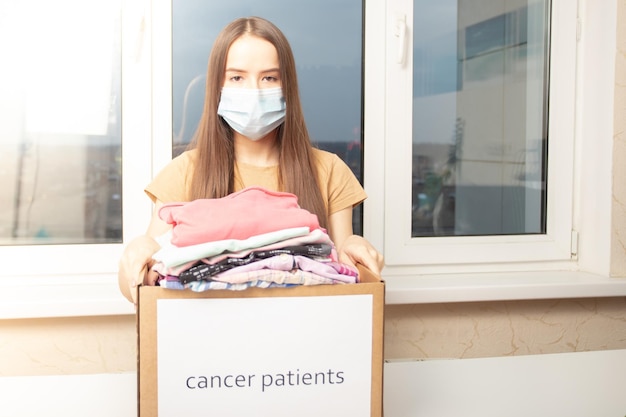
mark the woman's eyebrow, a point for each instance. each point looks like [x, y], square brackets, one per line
[262, 71]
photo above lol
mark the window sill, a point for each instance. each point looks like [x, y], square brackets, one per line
[68, 296]
[450, 288]
[98, 295]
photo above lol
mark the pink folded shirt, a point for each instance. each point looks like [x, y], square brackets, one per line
[246, 213]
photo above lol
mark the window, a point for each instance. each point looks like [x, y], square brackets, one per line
[479, 138]
[479, 119]
[63, 188]
[61, 123]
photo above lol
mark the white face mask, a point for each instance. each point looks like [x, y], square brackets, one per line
[251, 112]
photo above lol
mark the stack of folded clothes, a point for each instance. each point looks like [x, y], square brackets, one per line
[251, 238]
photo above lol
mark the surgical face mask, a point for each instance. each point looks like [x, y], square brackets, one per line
[251, 112]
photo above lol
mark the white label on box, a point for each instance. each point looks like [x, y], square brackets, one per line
[270, 356]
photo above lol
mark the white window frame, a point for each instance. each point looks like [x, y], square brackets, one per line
[442, 252]
[388, 220]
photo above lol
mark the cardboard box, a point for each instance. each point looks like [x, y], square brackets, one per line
[298, 351]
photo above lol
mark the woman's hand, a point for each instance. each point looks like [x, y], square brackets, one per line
[357, 250]
[135, 264]
[353, 249]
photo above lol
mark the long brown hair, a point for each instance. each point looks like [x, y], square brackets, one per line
[213, 176]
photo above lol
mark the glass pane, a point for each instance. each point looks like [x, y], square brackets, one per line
[328, 59]
[60, 134]
[479, 117]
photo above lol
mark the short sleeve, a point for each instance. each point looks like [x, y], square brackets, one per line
[340, 187]
[173, 181]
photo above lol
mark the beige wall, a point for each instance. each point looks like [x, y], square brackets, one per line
[457, 330]
[504, 328]
[453, 330]
[67, 346]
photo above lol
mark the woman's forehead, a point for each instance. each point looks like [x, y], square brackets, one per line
[250, 52]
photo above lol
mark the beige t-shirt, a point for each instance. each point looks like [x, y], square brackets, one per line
[340, 188]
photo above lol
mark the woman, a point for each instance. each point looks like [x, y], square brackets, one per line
[252, 133]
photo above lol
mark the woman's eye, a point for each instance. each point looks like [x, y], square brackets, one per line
[236, 78]
[271, 79]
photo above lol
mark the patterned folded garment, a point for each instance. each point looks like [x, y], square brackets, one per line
[267, 278]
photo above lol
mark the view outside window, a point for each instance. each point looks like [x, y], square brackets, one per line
[326, 38]
[60, 127]
[479, 117]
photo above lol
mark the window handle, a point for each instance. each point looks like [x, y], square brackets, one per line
[400, 33]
